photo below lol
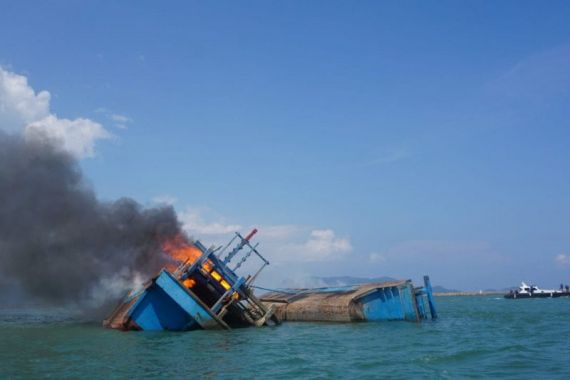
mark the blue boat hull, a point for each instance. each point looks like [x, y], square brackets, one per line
[388, 301]
[165, 304]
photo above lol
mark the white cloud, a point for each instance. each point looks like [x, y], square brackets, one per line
[291, 249]
[121, 118]
[22, 108]
[76, 136]
[302, 244]
[324, 243]
[562, 259]
[19, 104]
[196, 226]
[121, 121]
[279, 243]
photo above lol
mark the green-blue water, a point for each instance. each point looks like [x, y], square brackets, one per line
[474, 337]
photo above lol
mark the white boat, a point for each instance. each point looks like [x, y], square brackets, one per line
[533, 291]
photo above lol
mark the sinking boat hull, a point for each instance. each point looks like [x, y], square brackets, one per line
[201, 293]
[204, 293]
[387, 301]
[164, 304]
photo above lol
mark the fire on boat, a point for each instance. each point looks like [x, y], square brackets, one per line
[201, 291]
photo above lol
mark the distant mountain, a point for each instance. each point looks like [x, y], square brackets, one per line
[441, 289]
[349, 280]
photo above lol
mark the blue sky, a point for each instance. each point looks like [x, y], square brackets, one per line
[366, 138]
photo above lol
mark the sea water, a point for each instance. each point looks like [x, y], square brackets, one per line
[474, 337]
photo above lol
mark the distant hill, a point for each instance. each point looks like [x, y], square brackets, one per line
[441, 289]
[349, 280]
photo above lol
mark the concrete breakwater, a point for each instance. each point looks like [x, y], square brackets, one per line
[479, 293]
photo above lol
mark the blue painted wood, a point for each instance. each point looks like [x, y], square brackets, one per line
[397, 311]
[374, 306]
[384, 304]
[166, 305]
[388, 303]
[420, 299]
[157, 311]
[392, 303]
[407, 299]
[429, 294]
[182, 297]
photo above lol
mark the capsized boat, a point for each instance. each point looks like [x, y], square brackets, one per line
[533, 291]
[202, 293]
[382, 301]
[205, 293]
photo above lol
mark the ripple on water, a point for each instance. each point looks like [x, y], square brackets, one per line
[475, 337]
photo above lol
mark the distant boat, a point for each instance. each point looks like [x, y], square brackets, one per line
[533, 291]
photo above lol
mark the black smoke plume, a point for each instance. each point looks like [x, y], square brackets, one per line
[59, 244]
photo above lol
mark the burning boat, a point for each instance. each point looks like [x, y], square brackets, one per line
[201, 293]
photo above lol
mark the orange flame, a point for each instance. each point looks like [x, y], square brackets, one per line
[189, 283]
[180, 250]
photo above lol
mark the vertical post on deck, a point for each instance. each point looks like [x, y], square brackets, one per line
[427, 285]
